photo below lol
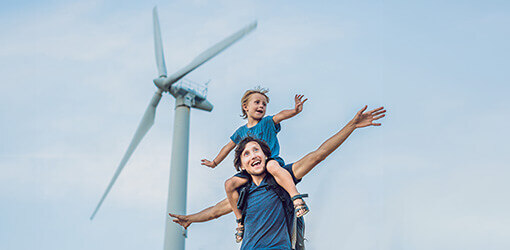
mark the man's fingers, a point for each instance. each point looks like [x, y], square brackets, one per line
[376, 124]
[377, 109]
[175, 216]
[379, 117]
[374, 110]
[305, 100]
[379, 112]
[363, 109]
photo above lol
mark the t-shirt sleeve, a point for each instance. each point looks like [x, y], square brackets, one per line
[270, 123]
[236, 137]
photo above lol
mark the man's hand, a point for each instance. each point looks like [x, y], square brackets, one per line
[209, 163]
[299, 104]
[181, 220]
[362, 119]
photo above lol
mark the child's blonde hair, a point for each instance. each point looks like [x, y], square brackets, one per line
[248, 93]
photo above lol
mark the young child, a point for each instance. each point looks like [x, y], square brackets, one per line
[253, 107]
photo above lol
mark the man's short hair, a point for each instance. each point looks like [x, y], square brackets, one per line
[242, 145]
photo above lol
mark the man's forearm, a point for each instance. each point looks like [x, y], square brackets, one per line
[336, 140]
[360, 120]
[210, 213]
[307, 163]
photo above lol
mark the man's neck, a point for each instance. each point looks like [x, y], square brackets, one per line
[257, 179]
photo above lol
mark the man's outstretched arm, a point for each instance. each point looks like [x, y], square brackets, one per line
[210, 213]
[360, 120]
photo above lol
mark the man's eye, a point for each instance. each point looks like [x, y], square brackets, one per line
[256, 149]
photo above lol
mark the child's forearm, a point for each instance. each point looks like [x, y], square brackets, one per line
[224, 152]
[284, 115]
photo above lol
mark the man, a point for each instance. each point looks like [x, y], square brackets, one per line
[265, 221]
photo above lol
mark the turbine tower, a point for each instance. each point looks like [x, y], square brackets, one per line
[187, 95]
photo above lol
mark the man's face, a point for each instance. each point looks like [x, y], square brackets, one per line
[253, 159]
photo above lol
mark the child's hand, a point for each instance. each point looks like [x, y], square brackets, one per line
[208, 163]
[299, 104]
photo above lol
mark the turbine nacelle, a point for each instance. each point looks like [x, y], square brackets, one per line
[195, 93]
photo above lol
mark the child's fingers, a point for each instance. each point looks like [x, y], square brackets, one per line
[305, 100]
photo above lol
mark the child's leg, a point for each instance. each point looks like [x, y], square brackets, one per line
[284, 179]
[231, 186]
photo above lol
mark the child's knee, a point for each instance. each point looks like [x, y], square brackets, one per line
[229, 185]
[233, 183]
[273, 166]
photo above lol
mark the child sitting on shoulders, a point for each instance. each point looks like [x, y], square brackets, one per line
[253, 107]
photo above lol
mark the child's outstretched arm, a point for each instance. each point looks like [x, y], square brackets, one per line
[221, 155]
[288, 113]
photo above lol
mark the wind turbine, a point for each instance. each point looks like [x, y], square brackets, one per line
[186, 97]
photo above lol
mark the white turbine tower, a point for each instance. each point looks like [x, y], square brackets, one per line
[186, 97]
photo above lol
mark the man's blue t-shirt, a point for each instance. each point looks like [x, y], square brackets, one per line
[265, 130]
[266, 222]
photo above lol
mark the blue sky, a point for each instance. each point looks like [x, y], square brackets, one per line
[77, 76]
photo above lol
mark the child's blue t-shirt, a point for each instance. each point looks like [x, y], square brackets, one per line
[265, 130]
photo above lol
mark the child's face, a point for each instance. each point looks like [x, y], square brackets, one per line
[256, 106]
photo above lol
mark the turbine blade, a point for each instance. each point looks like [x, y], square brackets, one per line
[143, 128]
[158, 44]
[211, 52]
